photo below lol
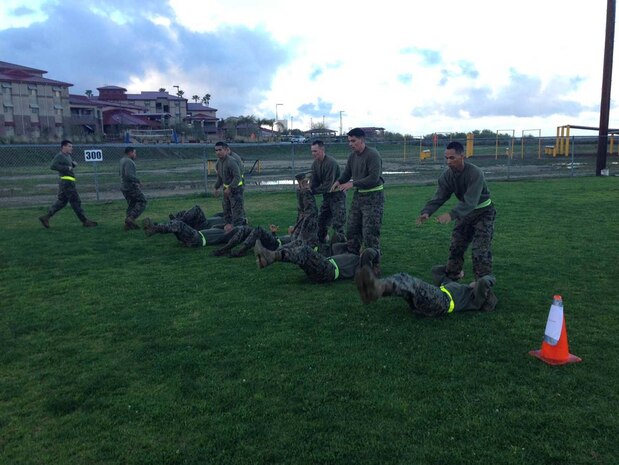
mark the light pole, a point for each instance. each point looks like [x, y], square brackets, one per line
[341, 111]
[178, 89]
[276, 114]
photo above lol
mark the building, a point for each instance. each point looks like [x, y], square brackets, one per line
[33, 107]
[204, 118]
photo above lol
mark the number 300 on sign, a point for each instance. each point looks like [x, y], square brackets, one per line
[93, 155]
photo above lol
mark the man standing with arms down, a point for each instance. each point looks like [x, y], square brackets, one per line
[363, 172]
[474, 213]
[67, 192]
[131, 189]
[325, 171]
[229, 176]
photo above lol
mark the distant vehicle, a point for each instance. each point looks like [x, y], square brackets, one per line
[299, 139]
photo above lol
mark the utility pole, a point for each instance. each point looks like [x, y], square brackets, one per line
[606, 84]
[341, 111]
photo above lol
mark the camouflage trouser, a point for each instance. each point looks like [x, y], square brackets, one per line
[332, 213]
[187, 235]
[240, 234]
[364, 220]
[193, 217]
[267, 239]
[67, 193]
[233, 206]
[136, 202]
[422, 298]
[317, 267]
[476, 228]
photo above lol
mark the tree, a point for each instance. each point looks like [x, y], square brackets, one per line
[88, 93]
[162, 89]
[195, 98]
[180, 93]
[206, 99]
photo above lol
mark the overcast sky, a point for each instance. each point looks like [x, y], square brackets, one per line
[410, 67]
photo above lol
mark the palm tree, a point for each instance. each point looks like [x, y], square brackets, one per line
[206, 99]
[162, 89]
[88, 93]
[180, 93]
[195, 98]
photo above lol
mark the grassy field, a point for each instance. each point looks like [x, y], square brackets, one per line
[123, 349]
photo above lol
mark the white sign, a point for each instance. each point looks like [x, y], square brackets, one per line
[93, 155]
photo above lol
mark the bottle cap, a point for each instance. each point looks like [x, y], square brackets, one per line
[557, 297]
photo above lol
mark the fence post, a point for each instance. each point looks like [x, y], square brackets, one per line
[205, 168]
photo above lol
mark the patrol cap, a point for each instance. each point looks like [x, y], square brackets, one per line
[305, 176]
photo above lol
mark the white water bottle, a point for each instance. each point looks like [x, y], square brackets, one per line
[554, 325]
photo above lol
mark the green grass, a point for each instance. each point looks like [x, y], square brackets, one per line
[123, 349]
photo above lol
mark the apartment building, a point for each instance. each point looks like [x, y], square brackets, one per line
[33, 106]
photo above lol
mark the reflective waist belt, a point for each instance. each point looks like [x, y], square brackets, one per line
[67, 178]
[279, 242]
[483, 204]
[203, 238]
[337, 268]
[451, 299]
[228, 185]
[373, 189]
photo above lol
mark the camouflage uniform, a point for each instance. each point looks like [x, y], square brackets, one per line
[229, 176]
[333, 207]
[431, 300]
[136, 202]
[189, 236]
[303, 232]
[365, 217]
[474, 215]
[67, 192]
[321, 269]
[305, 228]
[196, 218]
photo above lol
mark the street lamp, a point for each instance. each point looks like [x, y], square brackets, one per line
[341, 111]
[276, 114]
[178, 89]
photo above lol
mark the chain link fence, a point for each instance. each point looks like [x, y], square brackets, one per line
[176, 169]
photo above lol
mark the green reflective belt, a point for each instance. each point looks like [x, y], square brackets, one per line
[279, 242]
[484, 204]
[373, 189]
[337, 269]
[203, 238]
[67, 178]
[451, 299]
[228, 185]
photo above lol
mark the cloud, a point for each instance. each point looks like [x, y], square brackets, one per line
[110, 43]
[318, 109]
[523, 96]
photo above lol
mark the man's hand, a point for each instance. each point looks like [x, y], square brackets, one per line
[215, 192]
[290, 229]
[335, 187]
[344, 187]
[228, 227]
[422, 219]
[445, 218]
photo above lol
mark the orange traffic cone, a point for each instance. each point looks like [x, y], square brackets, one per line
[554, 349]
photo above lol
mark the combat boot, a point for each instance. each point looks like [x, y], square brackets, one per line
[130, 223]
[369, 286]
[89, 223]
[148, 226]
[221, 251]
[264, 256]
[240, 252]
[44, 221]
